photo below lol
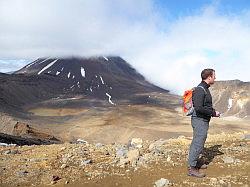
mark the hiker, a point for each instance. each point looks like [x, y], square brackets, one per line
[203, 111]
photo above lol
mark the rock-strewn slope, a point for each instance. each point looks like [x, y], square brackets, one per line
[137, 163]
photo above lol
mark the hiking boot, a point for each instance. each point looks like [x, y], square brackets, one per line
[201, 166]
[204, 166]
[194, 172]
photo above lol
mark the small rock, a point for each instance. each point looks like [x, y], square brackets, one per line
[88, 174]
[85, 162]
[64, 166]
[141, 161]
[157, 151]
[14, 152]
[64, 160]
[5, 144]
[181, 137]
[222, 182]
[237, 161]
[247, 136]
[63, 148]
[81, 141]
[136, 142]
[104, 151]
[168, 159]
[228, 160]
[53, 182]
[98, 145]
[55, 178]
[34, 160]
[213, 181]
[162, 182]
[133, 155]
[156, 146]
[123, 162]
[68, 155]
[7, 152]
[22, 173]
[122, 152]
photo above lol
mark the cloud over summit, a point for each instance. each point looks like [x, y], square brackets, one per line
[171, 54]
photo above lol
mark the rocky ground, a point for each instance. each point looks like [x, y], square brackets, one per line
[137, 163]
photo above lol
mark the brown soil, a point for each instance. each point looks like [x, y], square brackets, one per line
[57, 112]
[38, 164]
[121, 123]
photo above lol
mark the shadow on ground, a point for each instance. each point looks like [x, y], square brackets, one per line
[208, 155]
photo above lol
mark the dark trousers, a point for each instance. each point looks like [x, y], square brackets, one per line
[200, 129]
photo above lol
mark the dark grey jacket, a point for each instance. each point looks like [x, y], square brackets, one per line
[202, 102]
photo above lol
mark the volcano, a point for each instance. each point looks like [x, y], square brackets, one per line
[96, 98]
[99, 99]
[109, 79]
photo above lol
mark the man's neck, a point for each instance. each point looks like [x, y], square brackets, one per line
[206, 81]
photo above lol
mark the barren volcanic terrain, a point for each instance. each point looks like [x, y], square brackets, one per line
[108, 126]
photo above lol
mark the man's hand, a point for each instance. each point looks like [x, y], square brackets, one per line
[217, 114]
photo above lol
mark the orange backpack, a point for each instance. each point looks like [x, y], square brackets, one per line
[188, 107]
[187, 102]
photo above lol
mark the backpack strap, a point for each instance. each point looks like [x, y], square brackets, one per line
[203, 89]
[205, 93]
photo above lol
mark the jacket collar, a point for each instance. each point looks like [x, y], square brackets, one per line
[205, 84]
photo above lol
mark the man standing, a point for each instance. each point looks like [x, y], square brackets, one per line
[203, 111]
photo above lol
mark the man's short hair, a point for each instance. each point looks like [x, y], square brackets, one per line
[206, 73]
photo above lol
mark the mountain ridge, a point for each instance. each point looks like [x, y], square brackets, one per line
[232, 97]
[110, 79]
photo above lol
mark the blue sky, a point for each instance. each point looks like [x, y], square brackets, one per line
[173, 9]
[168, 41]
[181, 8]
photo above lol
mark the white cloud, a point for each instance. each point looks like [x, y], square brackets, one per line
[6, 66]
[170, 55]
[204, 40]
[62, 27]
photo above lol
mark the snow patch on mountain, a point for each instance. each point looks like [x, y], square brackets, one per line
[230, 103]
[101, 79]
[46, 67]
[82, 72]
[31, 63]
[105, 58]
[110, 99]
[44, 61]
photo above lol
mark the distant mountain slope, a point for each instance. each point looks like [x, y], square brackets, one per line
[232, 98]
[106, 78]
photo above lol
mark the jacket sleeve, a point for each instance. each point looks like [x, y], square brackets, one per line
[198, 102]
